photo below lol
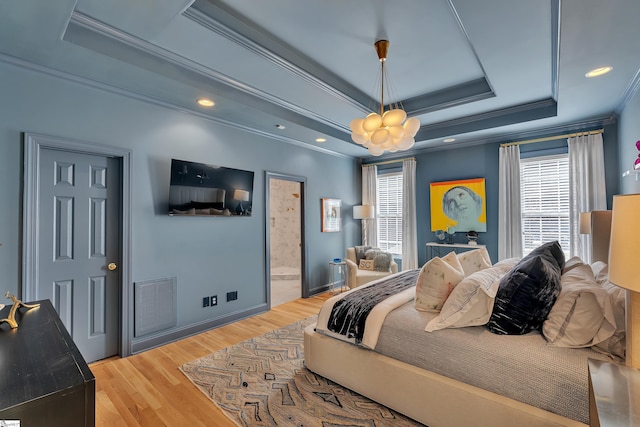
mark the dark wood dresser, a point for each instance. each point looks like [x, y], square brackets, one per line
[44, 380]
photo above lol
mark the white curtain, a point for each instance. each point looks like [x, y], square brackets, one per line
[409, 227]
[509, 204]
[369, 192]
[587, 191]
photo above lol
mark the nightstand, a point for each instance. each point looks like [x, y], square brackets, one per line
[614, 395]
[339, 272]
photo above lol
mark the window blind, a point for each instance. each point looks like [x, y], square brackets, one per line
[389, 212]
[544, 184]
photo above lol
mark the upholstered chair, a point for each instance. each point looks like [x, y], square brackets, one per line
[357, 276]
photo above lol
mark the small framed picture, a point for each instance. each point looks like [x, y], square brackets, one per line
[331, 215]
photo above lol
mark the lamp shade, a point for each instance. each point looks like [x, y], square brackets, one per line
[242, 195]
[364, 212]
[585, 222]
[625, 228]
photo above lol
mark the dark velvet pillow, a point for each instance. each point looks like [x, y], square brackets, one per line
[527, 292]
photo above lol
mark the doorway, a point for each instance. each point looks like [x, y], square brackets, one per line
[74, 229]
[285, 232]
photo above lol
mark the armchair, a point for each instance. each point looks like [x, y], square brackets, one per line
[358, 277]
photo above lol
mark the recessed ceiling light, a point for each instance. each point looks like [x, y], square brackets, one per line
[205, 102]
[599, 71]
[321, 139]
[449, 140]
[280, 127]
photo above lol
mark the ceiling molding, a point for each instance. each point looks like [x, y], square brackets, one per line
[91, 34]
[63, 75]
[629, 92]
[556, 12]
[474, 90]
[580, 126]
[216, 17]
[203, 12]
[456, 15]
[490, 119]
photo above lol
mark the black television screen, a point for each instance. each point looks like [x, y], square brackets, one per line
[209, 190]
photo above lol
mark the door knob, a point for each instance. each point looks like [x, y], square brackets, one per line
[112, 266]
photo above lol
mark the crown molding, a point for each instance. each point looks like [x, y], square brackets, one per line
[218, 20]
[89, 33]
[629, 93]
[556, 12]
[471, 91]
[83, 81]
[216, 17]
[490, 119]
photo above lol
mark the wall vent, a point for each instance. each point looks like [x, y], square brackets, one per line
[155, 305]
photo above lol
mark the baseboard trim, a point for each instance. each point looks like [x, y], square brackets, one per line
[156, 340]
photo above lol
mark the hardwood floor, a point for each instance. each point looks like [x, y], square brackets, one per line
[147, 389]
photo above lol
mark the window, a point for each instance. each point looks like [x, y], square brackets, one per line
[544, 185]
[389, 215]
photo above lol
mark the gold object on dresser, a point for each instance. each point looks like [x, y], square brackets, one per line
[11, 319]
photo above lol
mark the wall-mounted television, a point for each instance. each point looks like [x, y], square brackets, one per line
[209, 190]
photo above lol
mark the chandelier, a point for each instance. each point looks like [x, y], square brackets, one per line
[388, 130]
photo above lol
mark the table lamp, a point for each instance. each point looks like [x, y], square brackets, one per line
[242, 196]
[364, 212]
[623, 266]
[585, 222]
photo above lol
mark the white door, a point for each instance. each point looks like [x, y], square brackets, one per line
[79, 229]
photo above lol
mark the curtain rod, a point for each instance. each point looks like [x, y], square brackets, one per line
[551, 138]
[389, 161]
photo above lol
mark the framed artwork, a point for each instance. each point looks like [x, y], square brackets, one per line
[458, 206]
[331, 215]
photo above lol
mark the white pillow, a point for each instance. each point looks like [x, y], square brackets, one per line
[615, 344]
[571, 263]
[577, 319]
[437, 278]
[475, 260]
[471, 301]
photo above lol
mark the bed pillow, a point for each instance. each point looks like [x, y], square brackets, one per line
[572, 263]
[437, 278]
[527, 292]
[471, 301]
[577, 319]
[475, 260]
[614, 345]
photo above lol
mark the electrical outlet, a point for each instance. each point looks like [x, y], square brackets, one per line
[232, 296]
[205, 302]
[214, 300]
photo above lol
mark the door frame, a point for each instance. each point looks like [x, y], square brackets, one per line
[33, 143]
[267, 227]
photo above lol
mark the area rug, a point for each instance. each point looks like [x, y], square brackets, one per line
[263, 382]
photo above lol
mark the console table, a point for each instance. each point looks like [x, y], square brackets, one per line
[45, 381]
[441, 249]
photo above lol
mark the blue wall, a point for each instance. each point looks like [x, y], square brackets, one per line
[482, 161]
[629, 134]
[216, 255]
[208, 255]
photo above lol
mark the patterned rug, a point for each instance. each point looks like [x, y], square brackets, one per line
[263, 382]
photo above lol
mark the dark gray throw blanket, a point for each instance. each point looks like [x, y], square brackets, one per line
[349, 314]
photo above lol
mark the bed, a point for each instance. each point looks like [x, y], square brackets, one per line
[465, 376]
